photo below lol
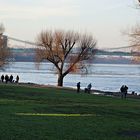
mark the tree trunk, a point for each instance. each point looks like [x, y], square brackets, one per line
[60, 80]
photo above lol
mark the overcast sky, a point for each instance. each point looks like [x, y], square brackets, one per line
[105, 19]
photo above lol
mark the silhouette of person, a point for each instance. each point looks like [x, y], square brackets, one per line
[17, 79]
[89, 87]
[11, 78]
[2, 78]
[6, 78]
[78, 87]
[123, 90]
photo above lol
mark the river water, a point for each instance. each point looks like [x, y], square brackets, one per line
[107, 77]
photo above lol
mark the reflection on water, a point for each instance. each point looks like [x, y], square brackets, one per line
[103, 76]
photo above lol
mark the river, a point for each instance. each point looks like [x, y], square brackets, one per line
[107, 77]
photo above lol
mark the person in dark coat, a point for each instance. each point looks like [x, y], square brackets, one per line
[6, 78]
[17, 79]
[2, 78]
[89, 87]
[11, 78]
[123, 90]
[78, 87]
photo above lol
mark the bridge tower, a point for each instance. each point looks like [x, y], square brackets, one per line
[5, 40]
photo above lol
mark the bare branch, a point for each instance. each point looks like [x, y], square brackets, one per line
[134, 39]
[65, 49]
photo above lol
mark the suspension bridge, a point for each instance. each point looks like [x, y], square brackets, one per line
[29, 44]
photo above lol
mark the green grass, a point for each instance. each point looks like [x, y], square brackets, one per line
[28, 113]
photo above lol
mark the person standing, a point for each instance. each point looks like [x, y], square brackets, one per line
[11, 78]
[6, 78]
[125, 91]
[17, 79]
[2, 78]
[122, 90]
[78, 87]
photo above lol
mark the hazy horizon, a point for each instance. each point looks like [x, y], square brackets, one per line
[104, 19]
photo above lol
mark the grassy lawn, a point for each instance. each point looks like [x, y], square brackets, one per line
[28, 113]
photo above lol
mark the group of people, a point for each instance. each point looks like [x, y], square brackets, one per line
[123, 89]
[10, 79]
[87, 89]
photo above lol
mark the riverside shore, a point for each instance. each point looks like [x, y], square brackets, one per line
[93, 91]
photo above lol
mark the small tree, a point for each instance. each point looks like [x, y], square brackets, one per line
[4, 51]
[66, 50]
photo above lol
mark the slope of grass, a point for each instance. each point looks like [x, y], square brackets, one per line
[59, 114]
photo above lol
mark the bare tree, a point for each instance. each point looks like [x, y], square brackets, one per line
[4, 51]
[68, 51]
[134, 35]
